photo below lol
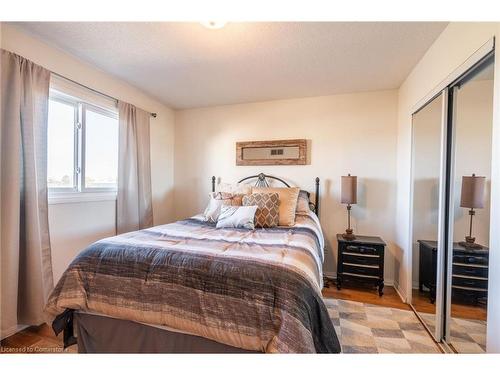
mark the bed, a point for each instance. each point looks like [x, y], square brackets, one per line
[188, 287]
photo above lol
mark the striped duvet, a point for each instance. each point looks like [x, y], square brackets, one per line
[253, 289]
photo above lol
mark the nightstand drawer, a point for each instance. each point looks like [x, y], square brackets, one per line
[361, 249]
[465, 269]
[470, 259]
[363, 259]
[468, 293]
[351, 268]
[470, 281]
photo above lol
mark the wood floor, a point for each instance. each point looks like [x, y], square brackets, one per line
[39, 339]
[422, 303]
[42, 339]
[390, 298]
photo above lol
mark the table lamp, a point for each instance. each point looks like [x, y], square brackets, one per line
[349, 196]
[472, 197]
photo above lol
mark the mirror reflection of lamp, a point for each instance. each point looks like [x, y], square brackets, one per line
[472, 197]
[349, 186]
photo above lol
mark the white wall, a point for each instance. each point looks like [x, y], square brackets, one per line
[353, 133]
[73, 226]
[457, 42]
[76, 225]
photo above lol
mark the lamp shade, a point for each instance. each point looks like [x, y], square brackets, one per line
[472, 192]
[349, 189]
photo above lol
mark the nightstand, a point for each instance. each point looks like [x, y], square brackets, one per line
[361, 260]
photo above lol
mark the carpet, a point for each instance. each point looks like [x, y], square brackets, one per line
[366, 328]
[467, 336]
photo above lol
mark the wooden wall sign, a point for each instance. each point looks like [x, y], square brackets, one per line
[282, 152]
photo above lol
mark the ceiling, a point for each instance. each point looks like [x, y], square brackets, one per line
[186, 65]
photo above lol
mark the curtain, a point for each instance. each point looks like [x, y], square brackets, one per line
[133, 204]
[25, 264]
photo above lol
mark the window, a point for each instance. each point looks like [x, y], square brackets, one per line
[82, 149]
[61, 144]
[101, 152]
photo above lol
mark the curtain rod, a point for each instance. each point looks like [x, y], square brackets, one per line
[91, 89]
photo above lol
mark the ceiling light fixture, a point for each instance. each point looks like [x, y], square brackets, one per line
[213, 24]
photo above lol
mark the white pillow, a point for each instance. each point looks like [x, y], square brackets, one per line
[212, 211]
[237, 217]
[239, 188]
[303, 203]
[216, 200]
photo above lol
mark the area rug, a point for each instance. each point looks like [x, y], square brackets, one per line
[366, 328]
[467, 336]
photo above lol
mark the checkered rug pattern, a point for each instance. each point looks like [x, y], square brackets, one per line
[467, 336]
[366, 328]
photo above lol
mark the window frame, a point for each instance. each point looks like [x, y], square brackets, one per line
[80, 192]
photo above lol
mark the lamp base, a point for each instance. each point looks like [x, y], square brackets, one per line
[348, 235]
[470, 243]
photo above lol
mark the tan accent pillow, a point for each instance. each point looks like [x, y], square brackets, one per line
[267, 214]
[288, 202]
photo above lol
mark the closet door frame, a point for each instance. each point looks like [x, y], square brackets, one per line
[443, 291]
[442, 219]
[450, 202]
[452, 194]
[437, 334]
[472, 60]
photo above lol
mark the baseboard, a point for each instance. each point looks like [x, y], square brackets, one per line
[330, 275]
[400, 293]
[12, 331]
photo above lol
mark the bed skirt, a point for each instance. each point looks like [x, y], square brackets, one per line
[100, 334]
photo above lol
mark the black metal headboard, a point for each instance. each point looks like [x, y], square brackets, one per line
[262, 181]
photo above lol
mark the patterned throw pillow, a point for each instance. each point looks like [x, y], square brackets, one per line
[288, 202]
[229, 198]
[268, 204]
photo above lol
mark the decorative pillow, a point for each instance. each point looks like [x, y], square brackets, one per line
[267, 215]
[237, 217]
[235, 189]
[229, 198]
[216, 201]
[288, 202]
[303, 203]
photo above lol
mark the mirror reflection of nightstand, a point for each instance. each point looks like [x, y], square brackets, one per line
[469, 272]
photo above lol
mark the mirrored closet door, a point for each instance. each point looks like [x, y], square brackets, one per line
[450, 207]
[471, 119]
[427, 185]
